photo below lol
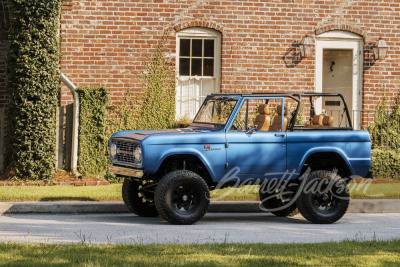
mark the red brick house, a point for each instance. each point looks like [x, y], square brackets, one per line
[233, 46]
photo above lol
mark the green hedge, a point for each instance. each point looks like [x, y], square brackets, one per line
[386, 163]
[33, 75]
[92, 152]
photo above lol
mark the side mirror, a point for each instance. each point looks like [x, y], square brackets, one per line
[253, 130]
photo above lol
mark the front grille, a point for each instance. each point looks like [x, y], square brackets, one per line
[125, 151]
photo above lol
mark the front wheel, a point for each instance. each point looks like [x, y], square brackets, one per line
[182, 197]
[324, 198]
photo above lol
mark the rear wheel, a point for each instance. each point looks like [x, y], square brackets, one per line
[138, 197]
[182, 197]
[324, 197]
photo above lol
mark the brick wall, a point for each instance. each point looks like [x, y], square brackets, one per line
[106, 41]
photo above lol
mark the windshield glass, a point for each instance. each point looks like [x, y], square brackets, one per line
[215, 111]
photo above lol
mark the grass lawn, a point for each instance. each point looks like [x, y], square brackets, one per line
[357, 191]
[346, 253]
[113, 193]
[61, 193]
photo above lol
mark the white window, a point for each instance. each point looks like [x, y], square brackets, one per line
[198, 67]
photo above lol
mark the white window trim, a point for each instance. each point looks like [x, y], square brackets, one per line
[201, 33]
[341, 40]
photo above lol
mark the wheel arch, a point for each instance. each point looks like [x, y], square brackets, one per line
[188, 161]
[326, 158]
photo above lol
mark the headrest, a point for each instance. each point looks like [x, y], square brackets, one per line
[317, 119]
[327, 121]
[263, 109]
[279, 110]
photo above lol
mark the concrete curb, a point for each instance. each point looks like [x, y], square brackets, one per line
[356, 206]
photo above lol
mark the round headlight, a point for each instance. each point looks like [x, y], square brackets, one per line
[137, 154]
[113, 150]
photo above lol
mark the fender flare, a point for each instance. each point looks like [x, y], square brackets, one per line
[325, 150]
[187, 152]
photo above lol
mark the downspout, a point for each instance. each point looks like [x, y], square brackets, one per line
[75, 124]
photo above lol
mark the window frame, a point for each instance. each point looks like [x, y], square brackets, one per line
[239, 106]
[202, 57]
[201, 33]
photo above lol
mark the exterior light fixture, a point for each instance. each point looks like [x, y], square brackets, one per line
[306, 47]
[380, 49]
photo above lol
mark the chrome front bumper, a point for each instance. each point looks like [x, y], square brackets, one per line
[126, 171]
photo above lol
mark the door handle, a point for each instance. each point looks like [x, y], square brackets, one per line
[280, 135]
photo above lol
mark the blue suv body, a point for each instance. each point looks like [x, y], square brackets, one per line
[234, 139]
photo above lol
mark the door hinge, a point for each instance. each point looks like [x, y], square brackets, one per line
[226, 165]
[226, 145]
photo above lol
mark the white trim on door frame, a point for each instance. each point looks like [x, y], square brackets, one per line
[348, 41]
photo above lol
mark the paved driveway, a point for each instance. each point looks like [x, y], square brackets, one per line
[213, 228]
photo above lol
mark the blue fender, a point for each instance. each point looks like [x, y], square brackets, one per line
[325, 149]
[153, 168]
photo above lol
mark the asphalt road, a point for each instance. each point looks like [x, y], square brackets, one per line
[213, 228]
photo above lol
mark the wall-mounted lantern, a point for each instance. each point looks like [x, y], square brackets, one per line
[380, 49]
[306, 47]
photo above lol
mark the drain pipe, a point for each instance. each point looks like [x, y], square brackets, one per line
[75, 124]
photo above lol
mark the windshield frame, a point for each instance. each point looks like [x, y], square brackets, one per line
[216, 99]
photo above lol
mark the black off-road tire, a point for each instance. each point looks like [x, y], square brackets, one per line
[171, 191]
[274, 203]
[337, 195]
[135, 201]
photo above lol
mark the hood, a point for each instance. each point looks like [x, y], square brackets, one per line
[142, 134]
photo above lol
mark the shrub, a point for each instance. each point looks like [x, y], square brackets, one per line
[385, 131]
[33, 74]
[385, 163]
[153, 107]
[158, 98]
[92, 154]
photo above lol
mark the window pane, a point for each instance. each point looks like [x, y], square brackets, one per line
[208, 68]
[197, 47]
[216, 111]
[209, 48]
[184, 66]
[239, 124]
[196, 66]
[184, 48]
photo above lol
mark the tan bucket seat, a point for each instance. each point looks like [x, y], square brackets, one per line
[263, 119]
[277, 123]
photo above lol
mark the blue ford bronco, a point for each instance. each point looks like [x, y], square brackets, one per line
[300, 148]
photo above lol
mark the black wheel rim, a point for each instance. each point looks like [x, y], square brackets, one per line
[325, 201]
[185, 198]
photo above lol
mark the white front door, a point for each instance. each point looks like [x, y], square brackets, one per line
[339, 70]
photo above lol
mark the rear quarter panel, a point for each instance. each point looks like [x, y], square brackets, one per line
[353, 146]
